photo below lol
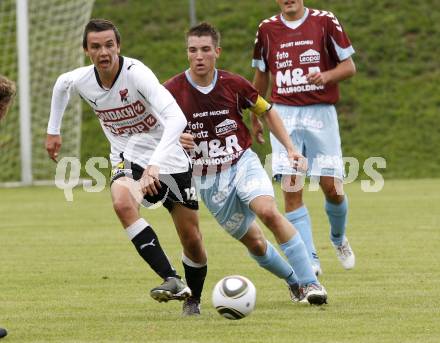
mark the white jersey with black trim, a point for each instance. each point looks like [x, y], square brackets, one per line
[139, 116]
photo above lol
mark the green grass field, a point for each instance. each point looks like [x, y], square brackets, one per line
[69, 274]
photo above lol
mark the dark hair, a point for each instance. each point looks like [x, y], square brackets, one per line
[99, 25]
[205, 29]
[7, 92]
[7, 89]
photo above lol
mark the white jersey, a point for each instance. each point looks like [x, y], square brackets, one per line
[139, 116]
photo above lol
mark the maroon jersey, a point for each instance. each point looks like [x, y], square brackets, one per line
[215, 119]
[319, 43]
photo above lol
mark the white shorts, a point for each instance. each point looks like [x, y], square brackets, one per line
[314, 131]
[228, 194]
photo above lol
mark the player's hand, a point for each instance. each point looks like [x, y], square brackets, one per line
[187, 141]
[297, 160]
[53, 146]
[257, 129]
[319, 79]
[150, 180]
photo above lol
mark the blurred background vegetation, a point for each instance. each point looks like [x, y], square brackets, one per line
[391, 108]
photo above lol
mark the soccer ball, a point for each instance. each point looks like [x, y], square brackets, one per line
[234, 297]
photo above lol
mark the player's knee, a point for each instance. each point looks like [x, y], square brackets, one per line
[333, 195]
[257, 246]
[269, 216]
[194, 242]
[122, 207]
[293, 200]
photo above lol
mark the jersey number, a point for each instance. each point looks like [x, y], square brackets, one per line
[191, 193]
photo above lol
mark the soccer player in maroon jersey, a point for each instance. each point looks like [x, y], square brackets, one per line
[306, 53]
[7, 92]
[232, 182]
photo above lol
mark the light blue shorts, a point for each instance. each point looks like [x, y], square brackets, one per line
[228, 194]
[314, 131]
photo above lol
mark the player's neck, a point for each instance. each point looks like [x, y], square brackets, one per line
[202, 80]
[294, 16]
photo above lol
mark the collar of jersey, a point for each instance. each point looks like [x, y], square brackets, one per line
[188, 77]
[296, 23]
[121, 62]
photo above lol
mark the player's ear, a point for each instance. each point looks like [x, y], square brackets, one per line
[218, 51]
[86, 52]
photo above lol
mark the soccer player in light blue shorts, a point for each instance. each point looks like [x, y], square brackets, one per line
[228, 194]
[314, 131]
[304, 53]
[232, 181]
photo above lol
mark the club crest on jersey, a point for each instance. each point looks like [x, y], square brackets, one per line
[225, 127]
[124, 95]
[310, 56]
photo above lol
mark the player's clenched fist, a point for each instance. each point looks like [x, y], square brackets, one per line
[53, 146]
[187, 140]
[150, 180]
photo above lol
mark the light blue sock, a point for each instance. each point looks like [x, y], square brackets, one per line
[296, 253]
[300, 219]
[337, 216]
[274, 263]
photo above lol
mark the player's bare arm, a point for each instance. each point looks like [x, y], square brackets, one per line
[261, 83]
[53, 146]
[342, 71]
[276, 126]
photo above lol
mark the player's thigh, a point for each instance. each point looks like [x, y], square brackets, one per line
[264, 206]
[233, 215]
[323, 142]
[251, 180]
[291, 118]
[125, 191]
[126, 194]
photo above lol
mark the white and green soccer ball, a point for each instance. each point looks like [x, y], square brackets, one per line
[234, 297]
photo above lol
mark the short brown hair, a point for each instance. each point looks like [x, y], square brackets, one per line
[205, 29]
[99, 25]
[7, 92]
[7, 89]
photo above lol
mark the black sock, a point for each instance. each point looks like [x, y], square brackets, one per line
[148, 246]
[195, 278]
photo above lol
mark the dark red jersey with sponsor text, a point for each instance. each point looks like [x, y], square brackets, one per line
[319, 43]
[215, 119]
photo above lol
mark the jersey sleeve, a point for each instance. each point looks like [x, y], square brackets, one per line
[337, 40]
[62, 91]
[249, 97]
[165, 106]
[259, 60]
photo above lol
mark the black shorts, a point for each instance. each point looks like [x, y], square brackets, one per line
[176, 188]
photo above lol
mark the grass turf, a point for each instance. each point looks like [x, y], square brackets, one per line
[69, 274]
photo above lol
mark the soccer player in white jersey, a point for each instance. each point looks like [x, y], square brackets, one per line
[143, 123]
[306, 53]
[232, 182]
[7, 92]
